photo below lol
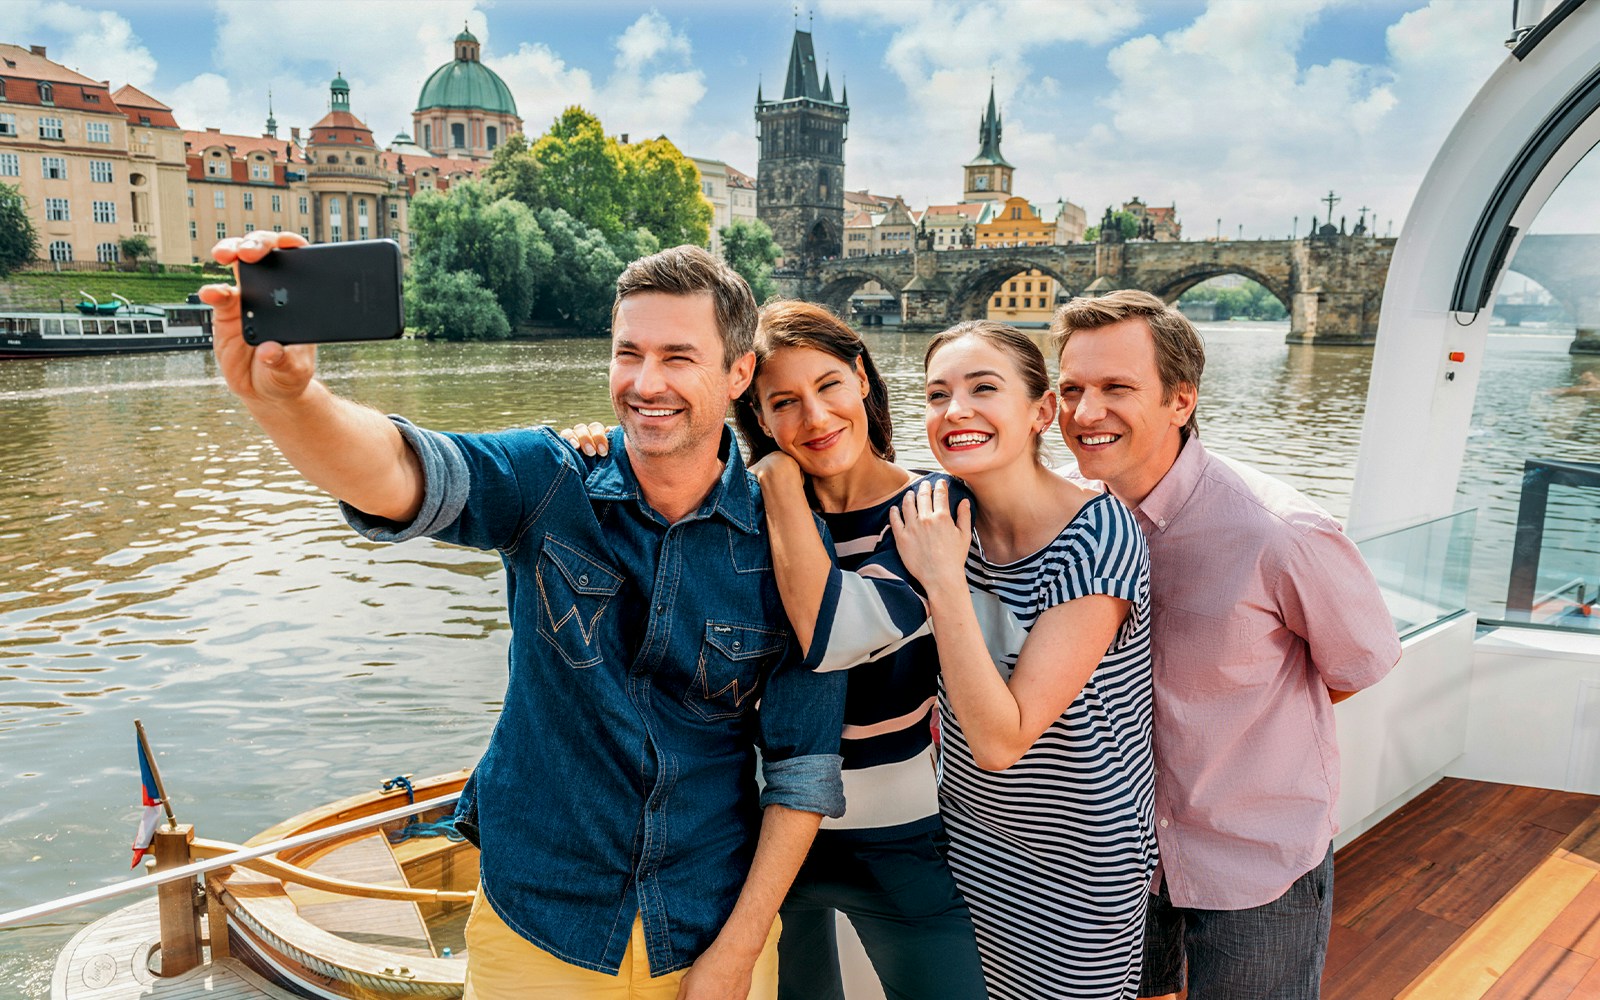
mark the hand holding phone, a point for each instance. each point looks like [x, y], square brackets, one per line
[323, 293]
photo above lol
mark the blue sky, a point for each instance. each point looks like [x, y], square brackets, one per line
[1245, 111]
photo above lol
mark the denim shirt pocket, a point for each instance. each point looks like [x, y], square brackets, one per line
[575, 589]
[733, 658]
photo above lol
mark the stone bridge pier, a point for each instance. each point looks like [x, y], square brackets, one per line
[1331, 285]
[1568, 266]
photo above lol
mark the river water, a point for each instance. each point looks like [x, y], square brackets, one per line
[160, 561]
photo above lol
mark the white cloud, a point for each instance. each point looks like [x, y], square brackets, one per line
[101, 44]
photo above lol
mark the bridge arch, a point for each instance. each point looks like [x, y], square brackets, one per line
[970, 298]
[1171, 286]
[834, 295]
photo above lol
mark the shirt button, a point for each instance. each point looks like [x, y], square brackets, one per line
[661, 609]
[736, 644]
[1163, 824]
[583, 580]
[655, 805]
[1161, 523]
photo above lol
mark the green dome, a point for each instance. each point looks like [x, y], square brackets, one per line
[339, 84]
[466, 84]
[467, 36]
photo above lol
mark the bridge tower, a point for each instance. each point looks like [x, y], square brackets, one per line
[800, 173]
[988, 175]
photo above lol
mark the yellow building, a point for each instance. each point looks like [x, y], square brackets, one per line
[91, 170]
[1029, 298]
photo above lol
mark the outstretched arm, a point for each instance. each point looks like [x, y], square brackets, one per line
[353, 452]
[723, 971]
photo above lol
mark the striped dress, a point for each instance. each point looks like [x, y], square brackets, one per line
[1054, 854]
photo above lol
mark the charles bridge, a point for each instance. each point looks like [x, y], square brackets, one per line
[1331, 284]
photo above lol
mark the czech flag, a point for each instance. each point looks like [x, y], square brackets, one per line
[152, 807]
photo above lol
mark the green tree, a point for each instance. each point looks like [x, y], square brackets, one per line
[1250, 300]
[580, 291]
[580, 171]
[749, 249]
[513, 173]
[498, 239]
[454, 305]
[663, 194]
[19, 241]
[136, 248]
[1126, 221]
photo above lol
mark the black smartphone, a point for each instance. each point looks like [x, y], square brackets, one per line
[323, 293]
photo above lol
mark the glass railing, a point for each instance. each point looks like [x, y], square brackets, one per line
[1555, 559]
[1423, 569]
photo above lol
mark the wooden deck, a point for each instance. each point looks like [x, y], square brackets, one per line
[1473, 890]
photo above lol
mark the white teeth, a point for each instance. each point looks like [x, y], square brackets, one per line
[956, 440]
[656, 413]
[1098, 438]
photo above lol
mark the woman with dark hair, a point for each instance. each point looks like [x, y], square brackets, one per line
[1040, 603]
[817, 425]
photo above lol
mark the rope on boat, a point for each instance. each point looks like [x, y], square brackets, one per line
[415, 827]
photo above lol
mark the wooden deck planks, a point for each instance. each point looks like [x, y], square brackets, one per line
[1473, 890]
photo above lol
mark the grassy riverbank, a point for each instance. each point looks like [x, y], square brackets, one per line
[47, 289]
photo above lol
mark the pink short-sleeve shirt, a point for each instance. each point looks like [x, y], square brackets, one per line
[1260, 604]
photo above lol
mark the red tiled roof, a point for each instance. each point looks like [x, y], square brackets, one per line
[19, 62]
[340, 128]
[739, 179]
[243, 145]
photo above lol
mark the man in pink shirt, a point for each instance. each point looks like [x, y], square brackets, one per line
[1264, 615]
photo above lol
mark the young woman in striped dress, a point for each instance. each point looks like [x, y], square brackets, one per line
[816, 422]
[1042, 622]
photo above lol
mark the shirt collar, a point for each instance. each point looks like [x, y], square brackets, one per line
[1167, 499]
[732, 497]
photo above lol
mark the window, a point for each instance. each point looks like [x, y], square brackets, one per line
[47, 93]
[105, 211]
[222, 230]
[249, 201]
[1011, 302]
[305, 232]
[219, 199]
[277, 203]
[100, 171]
[8, 124]
[305, 206]
[1027, 302]
[216, 166]
[144, 119]
[260, 169]
[98, 132]
[1013, 287]
[57, 210]
[60, 250]
[54, 167]
[394, 210]
[107, 253]
[277, 229]
[191, 197]
[427, 136]
[49, 128]
[335, 207]
[361, 208]
[335, 233]
[458, 136]
[249, 226]
[1027, 286]
[194, 230]
[9, 165]
[494, 137]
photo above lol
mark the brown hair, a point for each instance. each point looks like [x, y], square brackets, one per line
[1010, 341]
[791, 323]
[1180, 354]
[686, 270]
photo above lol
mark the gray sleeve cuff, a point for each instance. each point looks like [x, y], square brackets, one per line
[807, 784]
[445, 480]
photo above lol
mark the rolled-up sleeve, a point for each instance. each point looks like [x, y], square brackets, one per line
[445, 481]
[800, 720]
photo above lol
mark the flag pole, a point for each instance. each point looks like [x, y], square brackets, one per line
[155, 772]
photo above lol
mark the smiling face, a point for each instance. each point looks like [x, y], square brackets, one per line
[669, 387]
[981, 417]
[1122, 428]
[812, 405]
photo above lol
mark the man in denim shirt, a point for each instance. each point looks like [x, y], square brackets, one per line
[625, 843]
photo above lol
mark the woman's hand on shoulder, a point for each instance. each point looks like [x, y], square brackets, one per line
[932, 544]
[776, 471]
[590, 438]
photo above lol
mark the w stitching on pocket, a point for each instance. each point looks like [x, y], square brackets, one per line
[570, 621]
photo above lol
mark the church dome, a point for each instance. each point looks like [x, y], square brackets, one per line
[467, 83]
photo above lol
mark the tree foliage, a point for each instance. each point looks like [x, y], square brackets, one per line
[663, 194]
[1250, 300]
[454, 305]
[19, 240]
[748, 248]
[136, 248]
[498, 239]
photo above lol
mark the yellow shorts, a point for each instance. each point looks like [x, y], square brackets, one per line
[504, 965]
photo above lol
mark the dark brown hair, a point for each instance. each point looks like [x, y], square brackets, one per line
[1180, 354]
[686, 270]
[789, 323]
[1010, 341]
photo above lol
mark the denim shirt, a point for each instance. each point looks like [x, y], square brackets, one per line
[621, 775]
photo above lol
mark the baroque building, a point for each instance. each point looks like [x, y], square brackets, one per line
[800, 173]
[93, 166]
[465, 111]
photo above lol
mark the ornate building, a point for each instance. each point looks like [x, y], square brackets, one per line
[988, 175]
[465, 111]
[800, 174]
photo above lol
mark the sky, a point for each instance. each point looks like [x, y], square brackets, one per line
[1242, 113]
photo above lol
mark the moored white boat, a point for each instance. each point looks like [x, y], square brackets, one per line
[134, 330]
